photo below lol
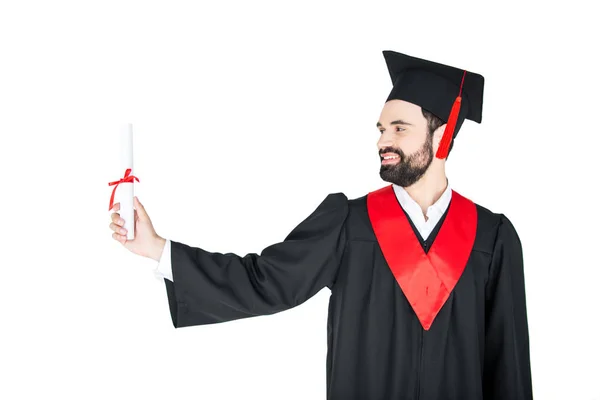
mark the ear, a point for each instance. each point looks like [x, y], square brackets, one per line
[437, 137]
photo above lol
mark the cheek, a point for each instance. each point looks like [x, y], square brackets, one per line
[409, 144]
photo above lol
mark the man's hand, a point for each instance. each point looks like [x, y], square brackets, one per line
[146, 243]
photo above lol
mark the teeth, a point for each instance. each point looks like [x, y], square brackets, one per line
[389, 157]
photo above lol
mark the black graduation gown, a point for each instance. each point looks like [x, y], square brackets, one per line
[476, 348]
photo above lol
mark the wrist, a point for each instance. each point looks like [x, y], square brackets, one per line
[157, 248]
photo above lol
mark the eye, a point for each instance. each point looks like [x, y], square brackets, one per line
[398, 129]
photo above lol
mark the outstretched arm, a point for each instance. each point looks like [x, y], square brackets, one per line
[211, 287]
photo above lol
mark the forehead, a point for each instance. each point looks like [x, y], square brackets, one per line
[400, 109]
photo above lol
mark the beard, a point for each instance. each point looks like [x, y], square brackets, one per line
[408, 169]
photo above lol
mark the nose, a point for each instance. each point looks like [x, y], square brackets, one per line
[385, 140]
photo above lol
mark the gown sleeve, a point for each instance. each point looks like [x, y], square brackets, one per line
[507, 371]
[210, 287]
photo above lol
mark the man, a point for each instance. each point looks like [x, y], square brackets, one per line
[427, 288]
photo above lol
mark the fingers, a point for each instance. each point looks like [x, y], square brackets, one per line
[119, 238]
[120, 233]
[116, 218]
[117, 228]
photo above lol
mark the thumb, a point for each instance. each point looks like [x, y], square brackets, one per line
[143, 215]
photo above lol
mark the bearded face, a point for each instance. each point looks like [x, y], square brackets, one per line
[406, 143]
[407, 169]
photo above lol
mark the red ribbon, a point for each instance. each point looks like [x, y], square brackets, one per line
[125, 178]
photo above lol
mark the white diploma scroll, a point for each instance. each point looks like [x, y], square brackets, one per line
[126, 188]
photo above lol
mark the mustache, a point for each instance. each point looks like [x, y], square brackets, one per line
[390, 150]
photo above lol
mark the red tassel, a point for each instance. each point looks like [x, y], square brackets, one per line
[444, 147]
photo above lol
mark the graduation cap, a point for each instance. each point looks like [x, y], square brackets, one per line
[450, 93]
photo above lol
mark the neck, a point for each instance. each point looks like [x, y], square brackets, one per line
[429, 188]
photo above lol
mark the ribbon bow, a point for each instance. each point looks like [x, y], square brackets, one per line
[125, 178]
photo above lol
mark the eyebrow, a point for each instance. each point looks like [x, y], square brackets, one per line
[396, 122]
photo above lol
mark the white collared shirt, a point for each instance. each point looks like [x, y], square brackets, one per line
[412, 208]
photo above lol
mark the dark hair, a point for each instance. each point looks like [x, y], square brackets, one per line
[433, 122]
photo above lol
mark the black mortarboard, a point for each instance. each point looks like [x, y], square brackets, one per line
[452, 94]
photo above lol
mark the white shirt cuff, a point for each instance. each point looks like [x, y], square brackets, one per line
[163, 269]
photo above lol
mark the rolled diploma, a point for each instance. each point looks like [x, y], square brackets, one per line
[126, 188]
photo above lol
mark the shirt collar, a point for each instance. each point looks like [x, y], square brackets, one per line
[411, 206]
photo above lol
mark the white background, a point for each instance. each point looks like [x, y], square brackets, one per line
[246, 114]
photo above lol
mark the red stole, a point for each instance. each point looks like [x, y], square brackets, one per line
[426, 279]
